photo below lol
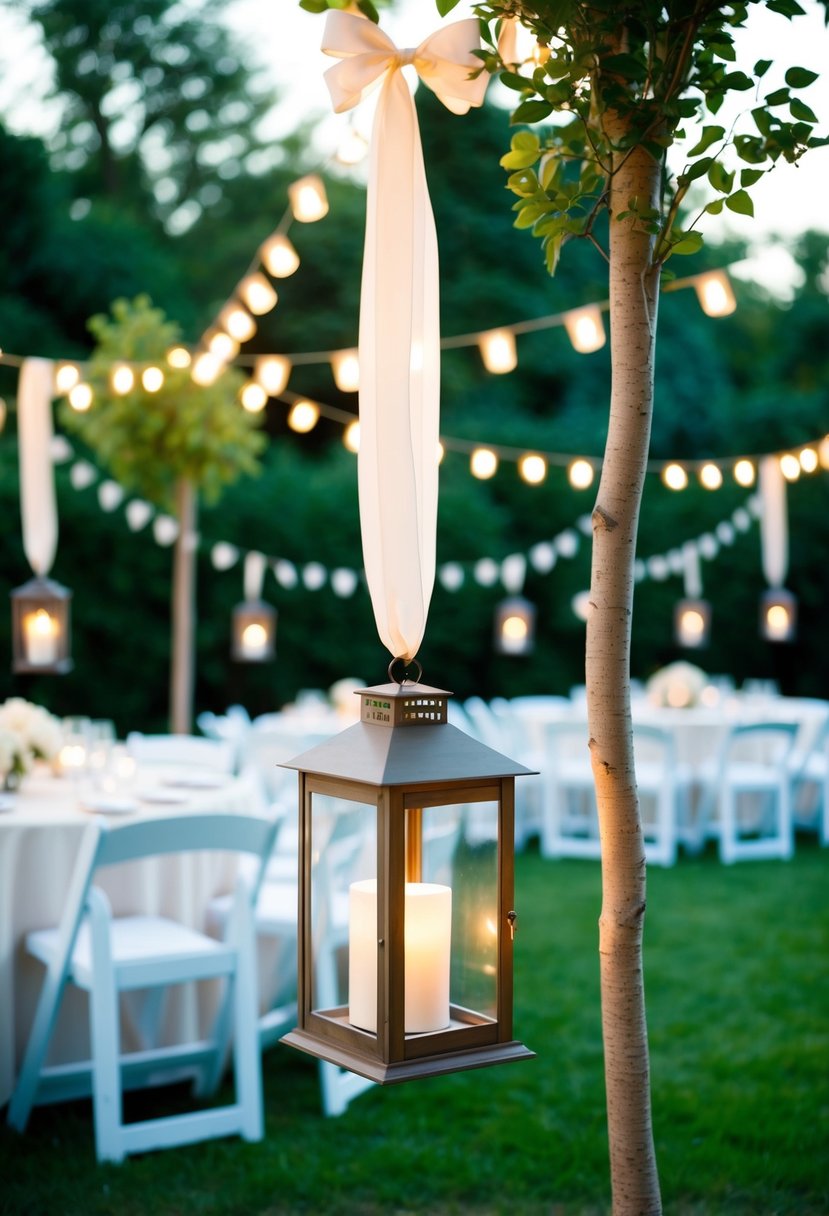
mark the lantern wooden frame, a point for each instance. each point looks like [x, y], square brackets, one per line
[347, 768]
[42, 595]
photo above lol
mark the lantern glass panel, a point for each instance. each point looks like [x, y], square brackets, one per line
[474, 975]
[343, 852]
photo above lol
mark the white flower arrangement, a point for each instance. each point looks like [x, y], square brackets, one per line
[27, 733]
[677, 686]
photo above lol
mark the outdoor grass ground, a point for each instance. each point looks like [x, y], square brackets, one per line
[737, 980]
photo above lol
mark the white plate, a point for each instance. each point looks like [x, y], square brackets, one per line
[163, 797]
[197, 781]
[110, 806]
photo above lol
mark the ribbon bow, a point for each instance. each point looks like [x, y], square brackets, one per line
[399, 312]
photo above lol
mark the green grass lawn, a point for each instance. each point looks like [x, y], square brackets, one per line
[737, 976]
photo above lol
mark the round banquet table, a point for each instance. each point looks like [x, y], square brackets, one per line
[40, 835]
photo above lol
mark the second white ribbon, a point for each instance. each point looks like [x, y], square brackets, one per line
[399, 313]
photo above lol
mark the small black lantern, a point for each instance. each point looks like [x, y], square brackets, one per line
[692, 623]
[41, 628]
[253, 632]
[515, 626]
[420, 982]
[778, 615]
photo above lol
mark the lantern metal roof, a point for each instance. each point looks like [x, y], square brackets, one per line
[401, 752]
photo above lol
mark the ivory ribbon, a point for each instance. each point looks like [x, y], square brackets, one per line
[38, 509]
[399, 312]
[774, 525]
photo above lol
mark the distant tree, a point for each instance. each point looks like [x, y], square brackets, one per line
[166, 446]
[159, 102]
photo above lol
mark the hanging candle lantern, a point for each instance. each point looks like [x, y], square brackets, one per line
[430, 926]
[253, 631]
[778, 615]
[41, 637]
[515, 626]
[692, 623]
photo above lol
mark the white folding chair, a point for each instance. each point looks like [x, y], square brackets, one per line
[748, 803]
[217, 755]
[570, 822]
[809, 775]
[664, 789]
[108, 955]
[276, 918]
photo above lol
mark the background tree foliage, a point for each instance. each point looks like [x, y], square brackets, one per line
[749, 383]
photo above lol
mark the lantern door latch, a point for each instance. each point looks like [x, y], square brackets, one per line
[512, 917]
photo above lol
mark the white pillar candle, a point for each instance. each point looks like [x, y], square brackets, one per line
[40, 637]
[254, 640]
[427, 946]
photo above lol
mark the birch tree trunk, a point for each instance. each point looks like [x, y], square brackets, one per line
[633, 307]
[182, 666]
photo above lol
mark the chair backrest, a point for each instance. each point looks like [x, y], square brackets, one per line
[654, 745]
[218, 755]
[767, 743]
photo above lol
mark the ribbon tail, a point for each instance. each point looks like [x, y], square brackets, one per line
[38, 508]
[399, 377]
[774, 525]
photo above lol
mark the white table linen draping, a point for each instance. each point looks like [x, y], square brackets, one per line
[39, 842]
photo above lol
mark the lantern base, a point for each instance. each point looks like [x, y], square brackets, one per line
[407, 1070]
[61, 668]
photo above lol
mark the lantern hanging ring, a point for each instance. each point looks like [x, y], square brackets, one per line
[407, 664]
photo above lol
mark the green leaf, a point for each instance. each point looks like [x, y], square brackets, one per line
[789, 8]
[761, 67]
[690, 242]
[518, 160]
[740, 202]
[531, 111]
[709, 136]
[715, 206]
[778, 98]
[627, 66]
[524, 183]
[698, 169]
[513, 81]
[551, 168]
[800, 110]
[525, 141]
[368, 10]
[749, 176]
[799, 78]
[446, 6]
[720, 178]
[737, 80]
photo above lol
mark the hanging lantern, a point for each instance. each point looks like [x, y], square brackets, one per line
[308, 199]
[715, 293]
[253, 632]
[41, 637]
[515, 626]
[692, 623]
[429, 961]
[778, 616]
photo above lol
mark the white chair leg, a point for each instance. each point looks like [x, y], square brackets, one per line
[104, 1033]
[247, 1056]
[728, 825]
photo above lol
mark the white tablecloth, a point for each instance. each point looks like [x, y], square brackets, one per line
[39, 841]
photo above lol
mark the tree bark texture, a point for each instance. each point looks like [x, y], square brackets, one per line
[183, 611]
[633, 310]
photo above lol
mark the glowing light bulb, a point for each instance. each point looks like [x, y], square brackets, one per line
[345, 365]
[715, 294]
[585, 329]
[351, 436]
[580, 474]
[304, 416]
[710, 476]
[80, 397]
[66, 377]
[253, 396]
[514, 628]
[744, 473]
[533, 469]
[257, 294]
[498, 351]
[790, 466]
[279, 256]
[238, 322]
[152, 379]
[675, 477]
[808, 460]
[122, 379]
[483, 463]
[273, 373]
[308, 199]
[206, 368]
[178, 357]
